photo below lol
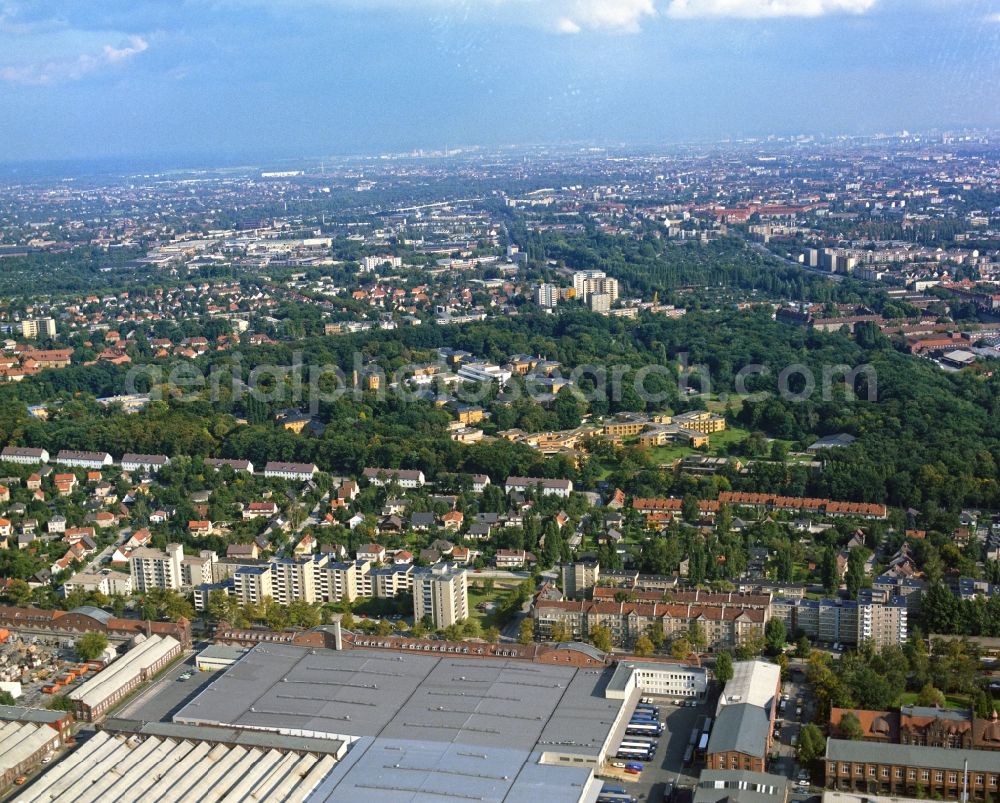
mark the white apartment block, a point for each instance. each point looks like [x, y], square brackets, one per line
[589, 282]
[404, 478]
[150, 463]
[541, 485]
[152, 568]
[23, 455]
[290, 471]
[38, 327]
[440, 592]
[251, 584]
[370, 264]
[547, 295]
[391, 581]
[293, 579]
[336, 582]
[94, 460]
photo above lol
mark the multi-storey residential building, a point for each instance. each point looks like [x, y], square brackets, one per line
[23, 455]
[402, 477]
[335, 581]
[370, 264]
[579, 578]
[911, 771]
[251, 584]
[601, 302]
[96, 460]
[152, 568]
[848, 621]
[293, 579]
[440, 592]
[724, 626]
[391, 581]
[290, 471]
[883, 624]
[144, 462]
[589, 282]
[33, 328]
[541, 485]
[547, 295]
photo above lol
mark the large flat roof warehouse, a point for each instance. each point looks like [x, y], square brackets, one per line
[389, 770]
[488, 729]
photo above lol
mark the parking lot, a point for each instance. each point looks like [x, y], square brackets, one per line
[666, 764]
[159, 701]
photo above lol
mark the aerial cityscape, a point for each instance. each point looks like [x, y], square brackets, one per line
[360, 442]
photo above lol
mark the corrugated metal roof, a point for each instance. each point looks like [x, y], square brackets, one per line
[19, 741]
[122, 671]
[121, 767]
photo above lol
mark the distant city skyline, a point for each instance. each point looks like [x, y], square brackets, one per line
[245, 78]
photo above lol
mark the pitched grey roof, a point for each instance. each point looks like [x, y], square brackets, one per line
[909, 755]
[741, 728]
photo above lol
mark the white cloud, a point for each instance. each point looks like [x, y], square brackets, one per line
[615, 15]
[767, 8]
[994, 17]
[135, 46]
[72, 68]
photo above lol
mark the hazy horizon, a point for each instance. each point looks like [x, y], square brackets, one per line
[234, 79]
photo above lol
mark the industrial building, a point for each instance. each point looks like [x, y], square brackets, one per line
[740, 786]
[423, 725]
[112, 684]
[70, 625]
[659, 678]
[186, 764]
[744, 724]
[22, 747]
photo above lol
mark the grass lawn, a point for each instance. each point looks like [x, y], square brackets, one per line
[951, 700]
[726, 438]
[476, 596]
[666, 455]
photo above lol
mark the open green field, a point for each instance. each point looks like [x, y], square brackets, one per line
[476, 596]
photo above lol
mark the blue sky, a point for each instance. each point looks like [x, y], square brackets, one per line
[119, 78]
